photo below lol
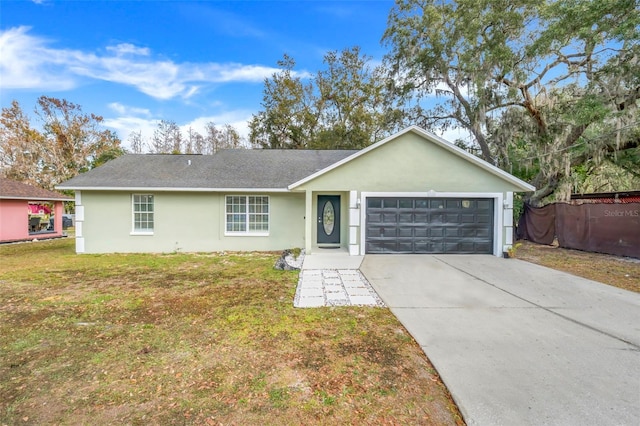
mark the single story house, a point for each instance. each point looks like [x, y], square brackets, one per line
[26, 212]
[412, 192]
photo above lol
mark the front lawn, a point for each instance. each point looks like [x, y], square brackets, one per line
[196, 339]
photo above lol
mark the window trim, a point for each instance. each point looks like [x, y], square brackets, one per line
[247, 232]
[134, 231]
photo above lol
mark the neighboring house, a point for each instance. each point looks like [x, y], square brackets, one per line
[26, 212]
[410, 193]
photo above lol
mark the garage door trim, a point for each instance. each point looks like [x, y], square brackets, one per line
[498, 201]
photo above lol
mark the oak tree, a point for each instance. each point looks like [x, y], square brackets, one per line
[343, 106]
[64, 142]
[522, 76]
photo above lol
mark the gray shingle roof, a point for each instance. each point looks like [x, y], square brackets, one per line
[242, 168]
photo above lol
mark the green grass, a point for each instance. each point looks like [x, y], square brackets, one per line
[196, 339]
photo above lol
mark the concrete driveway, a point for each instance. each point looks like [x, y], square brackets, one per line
[517, 343]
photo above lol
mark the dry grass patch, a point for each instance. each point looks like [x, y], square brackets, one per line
[196, 339]
[613, 270]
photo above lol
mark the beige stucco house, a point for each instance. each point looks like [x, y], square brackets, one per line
[410, 193]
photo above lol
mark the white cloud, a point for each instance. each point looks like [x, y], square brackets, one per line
[134, 119]
[28, 62]
[128, 48]
[238, 72]
[127, 110]
[127, 124]
[443, 87]
[238, 119]
[454, 134]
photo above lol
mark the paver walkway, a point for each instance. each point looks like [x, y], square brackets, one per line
[334, 287]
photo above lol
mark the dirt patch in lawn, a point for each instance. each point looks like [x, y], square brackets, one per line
[613, 270]
[196, 339]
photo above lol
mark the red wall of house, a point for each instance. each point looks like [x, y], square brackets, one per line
[57, 219]
[14, 220]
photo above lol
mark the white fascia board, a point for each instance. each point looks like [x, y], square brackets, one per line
[34, 198]
[165, 189]
[524, 186]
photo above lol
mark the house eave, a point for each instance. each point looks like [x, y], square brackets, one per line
[8, 197]
[167, 189]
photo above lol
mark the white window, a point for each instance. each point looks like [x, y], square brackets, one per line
[247, 214]
[142, 213]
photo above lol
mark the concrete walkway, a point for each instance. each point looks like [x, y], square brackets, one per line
[332, 278]
[517, 343]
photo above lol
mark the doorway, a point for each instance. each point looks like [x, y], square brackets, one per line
[329, 219]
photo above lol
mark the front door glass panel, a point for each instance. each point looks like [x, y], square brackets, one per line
[328, 218]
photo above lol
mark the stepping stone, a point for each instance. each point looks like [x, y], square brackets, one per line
[310, 302]
[311, 292]
[311, 282]
[358, 291]
[363, 300]
[337, 296]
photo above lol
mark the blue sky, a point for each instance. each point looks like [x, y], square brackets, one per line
[137, 62]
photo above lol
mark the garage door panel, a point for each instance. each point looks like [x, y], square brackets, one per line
[437, 247]
[451, 247]
[405, 232]
[405, 246]
[374, 217]
[381, 232]
[372, 235]
[391, 246]
[389, 217]
[484, 247]
[406, 218]
[451, 218]
[437, 218]
[429, 225]
[467, 218]
[421, 232]
[469, 233]
[436, 231]
[374, 203]
[419, 217]
[389, 232]
[405, 203]
[485, 204]
[451, 232]
[483, 233]
[420, 247]
[466, 246]
[484, 218]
